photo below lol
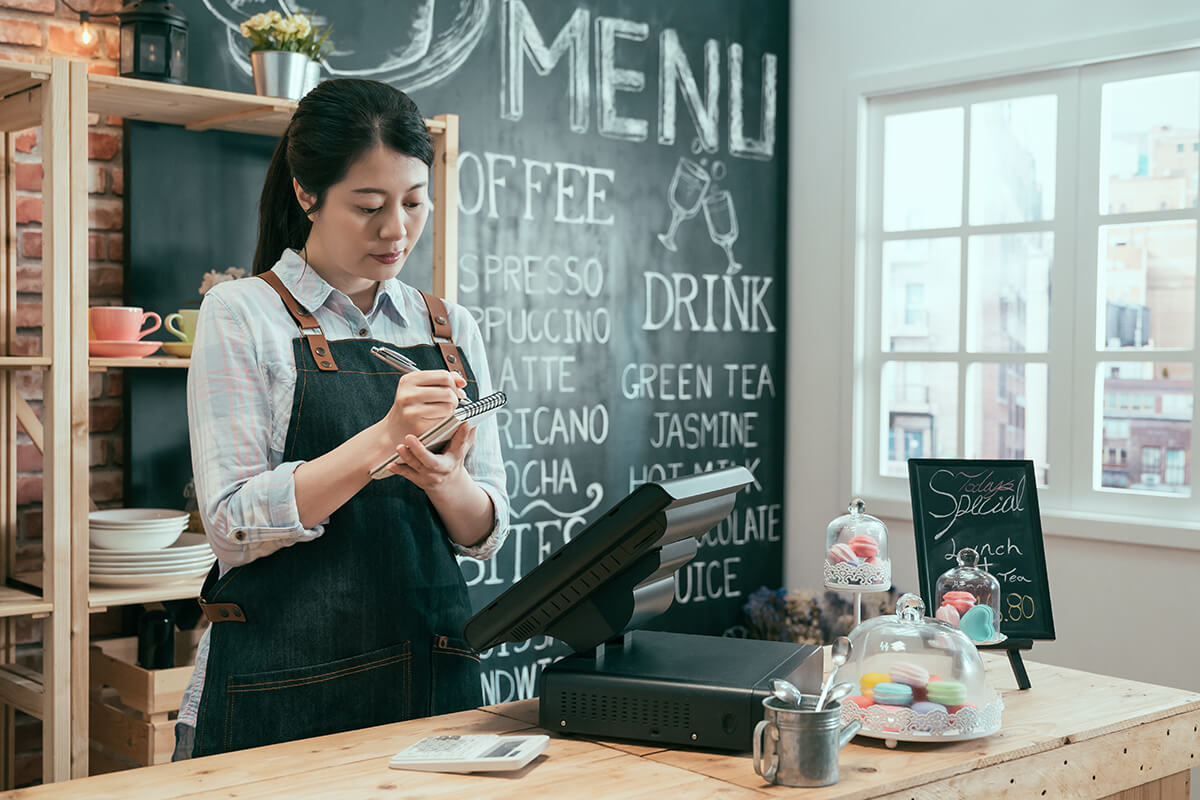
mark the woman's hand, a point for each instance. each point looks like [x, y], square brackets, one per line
[428, 470]
[422, 400]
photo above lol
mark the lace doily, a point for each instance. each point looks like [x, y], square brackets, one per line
[859, 575]
[904, 723]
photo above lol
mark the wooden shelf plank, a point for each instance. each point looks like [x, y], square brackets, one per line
[23, 362]
[99, 364]
[194, 107]
[101, 598]
[18, 602]
[21, 687]
[16, 77]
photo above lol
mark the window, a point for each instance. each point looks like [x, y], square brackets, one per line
[1176, 467]
[1029, 247]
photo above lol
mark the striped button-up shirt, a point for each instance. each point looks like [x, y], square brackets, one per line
[239, 391]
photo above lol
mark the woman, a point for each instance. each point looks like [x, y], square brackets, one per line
[337, 601]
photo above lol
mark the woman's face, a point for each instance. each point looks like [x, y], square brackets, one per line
[370, 220]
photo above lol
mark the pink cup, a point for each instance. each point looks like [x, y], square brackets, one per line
[121, 323]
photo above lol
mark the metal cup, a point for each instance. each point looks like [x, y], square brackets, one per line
[800, 746]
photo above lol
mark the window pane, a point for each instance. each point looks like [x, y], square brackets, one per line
[920, 295]
[1148, 143]
[1012, 160]
[1146, 428]
[1147, 285]
[919, 408]
[1005, 415]
[1008, 292]
[922, 170]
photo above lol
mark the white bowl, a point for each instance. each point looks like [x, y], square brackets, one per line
[140, 541]
[136, 517]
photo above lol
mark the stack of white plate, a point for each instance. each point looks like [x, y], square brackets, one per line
[137, 529]
[138, 547]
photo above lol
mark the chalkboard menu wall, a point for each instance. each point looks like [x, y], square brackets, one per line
[622, 217]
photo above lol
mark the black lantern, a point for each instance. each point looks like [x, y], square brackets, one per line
[153, 41]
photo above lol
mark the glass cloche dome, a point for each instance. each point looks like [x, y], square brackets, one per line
[968, 598]
[919, 680]
[856, 552]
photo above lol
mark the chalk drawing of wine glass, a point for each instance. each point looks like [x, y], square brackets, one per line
[688, 185]
[721, 219]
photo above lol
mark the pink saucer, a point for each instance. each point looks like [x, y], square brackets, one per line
[112, 349]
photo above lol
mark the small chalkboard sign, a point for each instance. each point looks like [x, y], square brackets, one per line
[992, 507]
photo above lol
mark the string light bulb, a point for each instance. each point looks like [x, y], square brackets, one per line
[87, 34]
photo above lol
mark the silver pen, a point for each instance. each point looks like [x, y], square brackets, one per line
[394, 359]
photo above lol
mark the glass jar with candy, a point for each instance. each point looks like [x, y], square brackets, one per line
[968, 598]
[856, 552]
[918, 680]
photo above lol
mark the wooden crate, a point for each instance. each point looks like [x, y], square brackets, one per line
[133, 710]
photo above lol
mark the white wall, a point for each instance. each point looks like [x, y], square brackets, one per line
[1125, 610]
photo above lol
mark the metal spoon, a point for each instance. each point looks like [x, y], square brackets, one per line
[839, 654]
[786, 692]
[840, 692]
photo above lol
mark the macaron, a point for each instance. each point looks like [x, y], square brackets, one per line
[947, 693]
[962, 604]
[893, 694]
[869, 680]
[978, 624]
[841, 553]
[948, 614]
[908, 673]
[862, 700]
[864, 546]
[924, 707]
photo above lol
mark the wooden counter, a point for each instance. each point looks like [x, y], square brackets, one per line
[1073, 735]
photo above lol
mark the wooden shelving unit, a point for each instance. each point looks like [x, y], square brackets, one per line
[60, 97]
[38, 96]
[195, 109]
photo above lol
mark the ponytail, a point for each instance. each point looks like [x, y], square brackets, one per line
[333, 126]
[281, 222]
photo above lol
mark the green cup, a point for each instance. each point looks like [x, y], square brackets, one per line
[182, 324]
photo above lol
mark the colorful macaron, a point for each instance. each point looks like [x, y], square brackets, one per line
[862, 700]
[842, 553]
[948, 614]
[864, 546]
[893, 694]
[961, 601]
[909, 673]
[946, 693]
[869, 680]
[925, 707]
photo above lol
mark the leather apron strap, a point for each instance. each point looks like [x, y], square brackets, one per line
[307, 322]
[439, 321]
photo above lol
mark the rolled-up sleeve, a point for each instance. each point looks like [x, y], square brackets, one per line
[247, 502]
[484, 462]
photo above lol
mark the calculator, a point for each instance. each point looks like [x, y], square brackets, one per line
[481, 752]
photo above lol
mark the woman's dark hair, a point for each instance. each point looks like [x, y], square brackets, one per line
[333, 126]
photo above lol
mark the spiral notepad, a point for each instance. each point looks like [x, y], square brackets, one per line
[436, 437]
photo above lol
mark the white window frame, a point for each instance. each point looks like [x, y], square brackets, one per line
[1070, 505]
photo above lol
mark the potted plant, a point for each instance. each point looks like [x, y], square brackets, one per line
[285, 53]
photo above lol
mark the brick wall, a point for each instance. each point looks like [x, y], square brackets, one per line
[31, 31]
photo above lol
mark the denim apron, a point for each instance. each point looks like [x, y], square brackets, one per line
[361, 626]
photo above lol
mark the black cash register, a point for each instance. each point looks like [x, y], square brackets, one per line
[620, 682]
